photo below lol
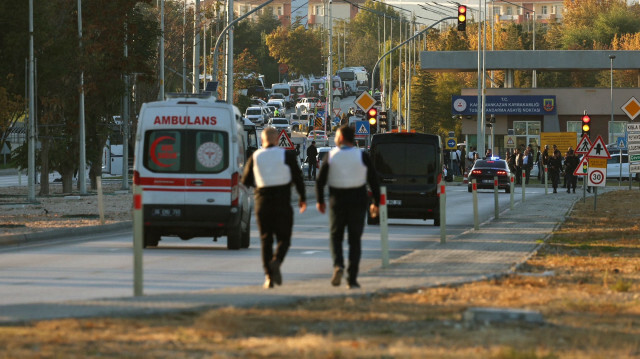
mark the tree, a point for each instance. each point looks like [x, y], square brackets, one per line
[297, 48]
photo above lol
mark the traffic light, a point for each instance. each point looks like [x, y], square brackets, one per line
[462, 18]
[382, 120]
[586, 126]
[372, 117]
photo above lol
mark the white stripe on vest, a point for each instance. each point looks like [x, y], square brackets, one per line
[346, 169]
[269, 167]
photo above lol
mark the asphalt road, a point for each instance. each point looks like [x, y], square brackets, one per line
[101, 265]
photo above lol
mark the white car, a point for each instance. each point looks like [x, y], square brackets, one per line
[306, 104]
[280, 123]
[613, 167]
[256, 114]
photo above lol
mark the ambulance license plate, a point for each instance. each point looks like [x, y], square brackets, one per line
[394, 202]
[167, 212]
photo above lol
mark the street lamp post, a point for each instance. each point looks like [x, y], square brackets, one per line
[611, 57]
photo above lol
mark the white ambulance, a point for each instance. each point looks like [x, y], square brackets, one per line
[189, 156]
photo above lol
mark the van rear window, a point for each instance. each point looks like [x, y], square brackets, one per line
[410, 159]
[186, 151]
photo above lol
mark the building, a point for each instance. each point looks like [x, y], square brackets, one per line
[279, 8]
[318, 14]
[522, 12]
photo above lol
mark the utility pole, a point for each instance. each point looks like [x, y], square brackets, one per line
[31, 166]
[184, 54]
[161, 72]
[82, 173]
[196, 48]
[329, 111]
[229, 74]
[125, 119]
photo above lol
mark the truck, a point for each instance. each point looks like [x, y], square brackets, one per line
[285, 90]
[352, 77]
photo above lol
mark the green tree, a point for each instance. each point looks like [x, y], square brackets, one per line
[296, 48]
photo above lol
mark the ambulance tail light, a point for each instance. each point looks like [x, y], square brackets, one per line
[136, 178]
[235, 190]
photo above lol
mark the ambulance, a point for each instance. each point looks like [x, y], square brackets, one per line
[189, 156]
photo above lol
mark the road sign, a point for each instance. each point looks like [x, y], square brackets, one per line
[284, 141]
[621, 142]
[634, 158]
[597, 177]
[599, 150]
[633, 127]
[365, 101]
[509, 141]
[563, 140]
[631, 108]
[583, 146]
[5, 150]
[283, 68]
[633, 138]
[451, 144]
[634, 167]
[634, 148]
[362, 129]
[597, 162]
[583, 167]
[336, 112]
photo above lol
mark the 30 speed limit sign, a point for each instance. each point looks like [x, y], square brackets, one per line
[597, 177]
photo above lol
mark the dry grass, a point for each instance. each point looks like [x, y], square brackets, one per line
[591, 302]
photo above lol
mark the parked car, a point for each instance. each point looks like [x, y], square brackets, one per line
[613, 167]
[280, 123]
[483, 172]
[323, 152]
[256, 114]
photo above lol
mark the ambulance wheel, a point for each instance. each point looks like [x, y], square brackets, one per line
[234, 239]
[246, 235]
[372, 221]
[151, 239]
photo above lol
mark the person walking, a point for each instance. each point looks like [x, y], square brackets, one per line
[519, 162]
[312, 160]
[555, 167]
[527, 163]
[347, 171]
[571, 162]
[272, 170]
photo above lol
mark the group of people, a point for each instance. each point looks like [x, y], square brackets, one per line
[557, 165]
[272, 170]
[519, 161]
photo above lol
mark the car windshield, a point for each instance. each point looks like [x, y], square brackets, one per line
[279, 121]
[490, 164]
[254, 111]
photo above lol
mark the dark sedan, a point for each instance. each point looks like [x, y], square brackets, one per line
[483, 172]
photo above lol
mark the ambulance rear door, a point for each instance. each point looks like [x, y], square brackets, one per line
[162, 175]
[209, 177]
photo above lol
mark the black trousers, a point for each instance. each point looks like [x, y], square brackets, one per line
[347, 209]
[274, 218]
[571, 180]
[312, 169]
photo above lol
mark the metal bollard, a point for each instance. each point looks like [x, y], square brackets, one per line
[524, 177]
[138, 233]
[384, 227]
[443, 215]
[476, 223]
[100, 197]
[511, 187]
[546, 180]
[496, 205]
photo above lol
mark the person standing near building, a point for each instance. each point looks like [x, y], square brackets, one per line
[571, 162]
[272, 170]
[312, 160]
[527, 163]
[555, 167]
[347, 171]
[546, 156]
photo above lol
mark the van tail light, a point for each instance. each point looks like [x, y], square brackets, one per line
[136, 178]
[235, 191]
[502, 173]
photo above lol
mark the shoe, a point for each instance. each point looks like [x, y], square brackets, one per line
[337, 276]
[268, 283]
[574, 190]
[555, 191]
[353, 285]
[274, 268]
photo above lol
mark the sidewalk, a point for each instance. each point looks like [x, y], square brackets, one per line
[496, 249]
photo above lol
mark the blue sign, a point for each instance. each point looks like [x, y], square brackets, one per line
[362, 128]
[621, 142]
[451, 143]
[505, 105]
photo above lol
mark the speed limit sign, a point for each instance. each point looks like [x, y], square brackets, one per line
[597, 177]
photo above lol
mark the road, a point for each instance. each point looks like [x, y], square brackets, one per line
[101, 265]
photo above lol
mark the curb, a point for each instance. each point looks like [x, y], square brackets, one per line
[47, 235]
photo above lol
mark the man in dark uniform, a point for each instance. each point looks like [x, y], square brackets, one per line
[272, 170]
[347, 170]
[312, 159]
[555, 167]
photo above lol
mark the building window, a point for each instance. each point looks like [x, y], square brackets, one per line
[575, 126]
[519, 11]
[509, 10]
[554, 9]
[544, 10]
[496, 11]
[318, 10]
[279, 11]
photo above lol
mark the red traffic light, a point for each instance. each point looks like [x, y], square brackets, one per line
[373, 112]
[586, 125]
[586, 119]
[462, 17]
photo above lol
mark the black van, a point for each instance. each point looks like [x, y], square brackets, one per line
[410, 166]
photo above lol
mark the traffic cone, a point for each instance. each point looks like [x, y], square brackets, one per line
[465, 179]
